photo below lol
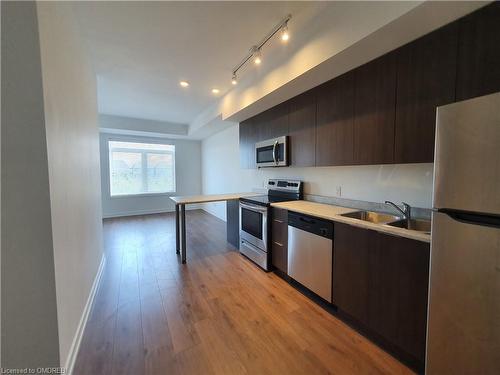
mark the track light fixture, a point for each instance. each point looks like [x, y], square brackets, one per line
[257, 55]
[256, 51]
[284, 33]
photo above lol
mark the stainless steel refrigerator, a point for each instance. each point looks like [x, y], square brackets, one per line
[463, 332]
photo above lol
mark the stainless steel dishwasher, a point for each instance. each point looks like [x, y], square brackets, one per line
[310, 253]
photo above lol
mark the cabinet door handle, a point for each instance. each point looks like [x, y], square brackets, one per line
[278, 221]
[279, 244]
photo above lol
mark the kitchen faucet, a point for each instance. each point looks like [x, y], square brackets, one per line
[406, 211]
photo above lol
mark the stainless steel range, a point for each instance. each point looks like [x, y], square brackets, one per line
[254, 215]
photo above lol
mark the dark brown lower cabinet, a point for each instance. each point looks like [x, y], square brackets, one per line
[351, 249]
[233, 222]
[279, 239]
[381, 283]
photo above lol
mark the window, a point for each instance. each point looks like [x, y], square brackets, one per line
[141, 168]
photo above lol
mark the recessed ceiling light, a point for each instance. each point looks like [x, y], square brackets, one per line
[184, 83]
[215, 91]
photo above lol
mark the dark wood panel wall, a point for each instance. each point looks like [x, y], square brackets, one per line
[384, 111]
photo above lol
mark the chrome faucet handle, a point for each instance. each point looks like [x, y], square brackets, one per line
[407, 209]
[405, 214]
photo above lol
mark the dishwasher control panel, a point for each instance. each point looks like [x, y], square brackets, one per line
[311, 224]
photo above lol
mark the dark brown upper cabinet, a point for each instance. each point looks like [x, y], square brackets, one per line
[479, 53]
[426, 79]
[272, 123]
[334, 121]
[374, 98]
[385, 110]
[248, 137]
[269, 124]
[302, 130]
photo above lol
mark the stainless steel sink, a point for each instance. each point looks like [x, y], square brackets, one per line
[373, 217]
[420, 225]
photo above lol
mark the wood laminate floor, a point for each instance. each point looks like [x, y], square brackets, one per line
[219, 314]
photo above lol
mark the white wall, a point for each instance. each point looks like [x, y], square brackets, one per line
[70, 100]
[187, 175]
[141, 127]
[29, 313]
[221, 173]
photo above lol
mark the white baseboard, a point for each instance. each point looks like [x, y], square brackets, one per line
[207, 210]
[75, 345]
[147, 212]
[217, 209]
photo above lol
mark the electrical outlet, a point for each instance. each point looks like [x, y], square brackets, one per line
[339, 191]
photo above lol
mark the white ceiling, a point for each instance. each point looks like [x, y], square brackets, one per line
[141, 50]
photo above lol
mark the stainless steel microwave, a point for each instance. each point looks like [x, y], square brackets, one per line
[272, 152]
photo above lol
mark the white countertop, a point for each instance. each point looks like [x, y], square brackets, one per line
[190, 199]
[330, 212]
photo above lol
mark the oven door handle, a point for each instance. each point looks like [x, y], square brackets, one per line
[253, 207]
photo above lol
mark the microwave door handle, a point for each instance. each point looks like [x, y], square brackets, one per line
[274, 152]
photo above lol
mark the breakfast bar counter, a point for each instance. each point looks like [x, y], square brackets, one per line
[180, 214]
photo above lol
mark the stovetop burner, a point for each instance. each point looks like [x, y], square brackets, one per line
[278, 191]
[265, 199]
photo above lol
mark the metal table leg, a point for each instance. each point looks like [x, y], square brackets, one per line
[183, 233]
[177, 230]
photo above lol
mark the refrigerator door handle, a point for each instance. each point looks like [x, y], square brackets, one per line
[473, 218]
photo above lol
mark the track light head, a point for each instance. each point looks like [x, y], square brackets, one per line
[255, 53]
[285, 35]
[257, 56]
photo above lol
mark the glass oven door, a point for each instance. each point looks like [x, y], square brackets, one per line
[253, 224]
